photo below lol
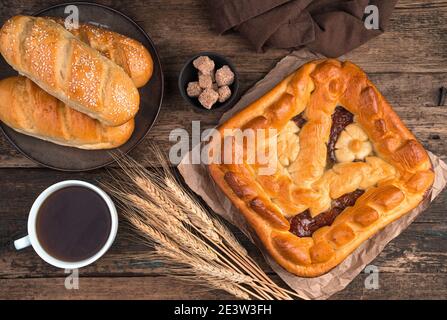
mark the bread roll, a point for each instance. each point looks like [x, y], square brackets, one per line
[69, 69]
[128, 53]
[30, 110]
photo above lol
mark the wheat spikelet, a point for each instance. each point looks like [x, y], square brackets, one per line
[193, 244]
[201, 268]
[150, 233]
[148, 182]
[173, 227]
[148, 208]
[157, 218]
[154, 192]
[218, 276]
[170, 225]
[230, 288]
[229, 237]
[220, 272]
[172, 253]
[198, 217]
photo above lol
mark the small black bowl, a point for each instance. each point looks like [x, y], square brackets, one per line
[189, 73]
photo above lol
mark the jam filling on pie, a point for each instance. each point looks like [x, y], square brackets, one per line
[341, 118]
[300, 121]
[303, 225]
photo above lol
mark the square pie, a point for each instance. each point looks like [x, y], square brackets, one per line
[345, 166]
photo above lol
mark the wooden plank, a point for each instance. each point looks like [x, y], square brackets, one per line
[119, 288]
[408, 63]
[21, 187]
[420, 4]
[420, 251]
[414, 96]
[406, 254]
[401, 286]
[413, 43]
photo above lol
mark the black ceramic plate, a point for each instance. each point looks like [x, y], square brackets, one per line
[73, 159]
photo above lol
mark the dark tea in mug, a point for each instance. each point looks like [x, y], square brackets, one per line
[73, 223]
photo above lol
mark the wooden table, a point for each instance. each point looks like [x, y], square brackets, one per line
[408, 64]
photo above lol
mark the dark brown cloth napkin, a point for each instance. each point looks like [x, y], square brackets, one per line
[329, 27]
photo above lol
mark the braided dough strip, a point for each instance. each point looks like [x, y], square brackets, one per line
[401, 183]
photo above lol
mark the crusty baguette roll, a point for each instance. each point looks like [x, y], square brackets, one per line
[128, 53]
[28, 109]
[69, 69]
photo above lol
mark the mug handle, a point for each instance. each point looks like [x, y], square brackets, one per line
[22, 243]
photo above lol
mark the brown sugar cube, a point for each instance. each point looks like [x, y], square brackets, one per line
[205, 80]
[224, 76]
[204, 64]
[193, 89]
[224, 93]
[208, 98]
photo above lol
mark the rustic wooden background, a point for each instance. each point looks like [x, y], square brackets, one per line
[408, 64]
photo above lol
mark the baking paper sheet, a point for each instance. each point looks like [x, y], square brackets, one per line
[198, 179]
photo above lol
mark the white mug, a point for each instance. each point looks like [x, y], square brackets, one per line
[32, 240]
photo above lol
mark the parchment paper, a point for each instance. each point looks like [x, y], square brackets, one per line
[198, 179]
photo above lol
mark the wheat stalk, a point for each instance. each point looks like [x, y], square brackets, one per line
[196, 209]
[156, 194]
[171, 226]
[198, 216]
[230, 288]
[229, 237]
[200, 268]
[193, 244]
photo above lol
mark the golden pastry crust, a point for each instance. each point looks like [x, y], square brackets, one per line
[395, 176]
